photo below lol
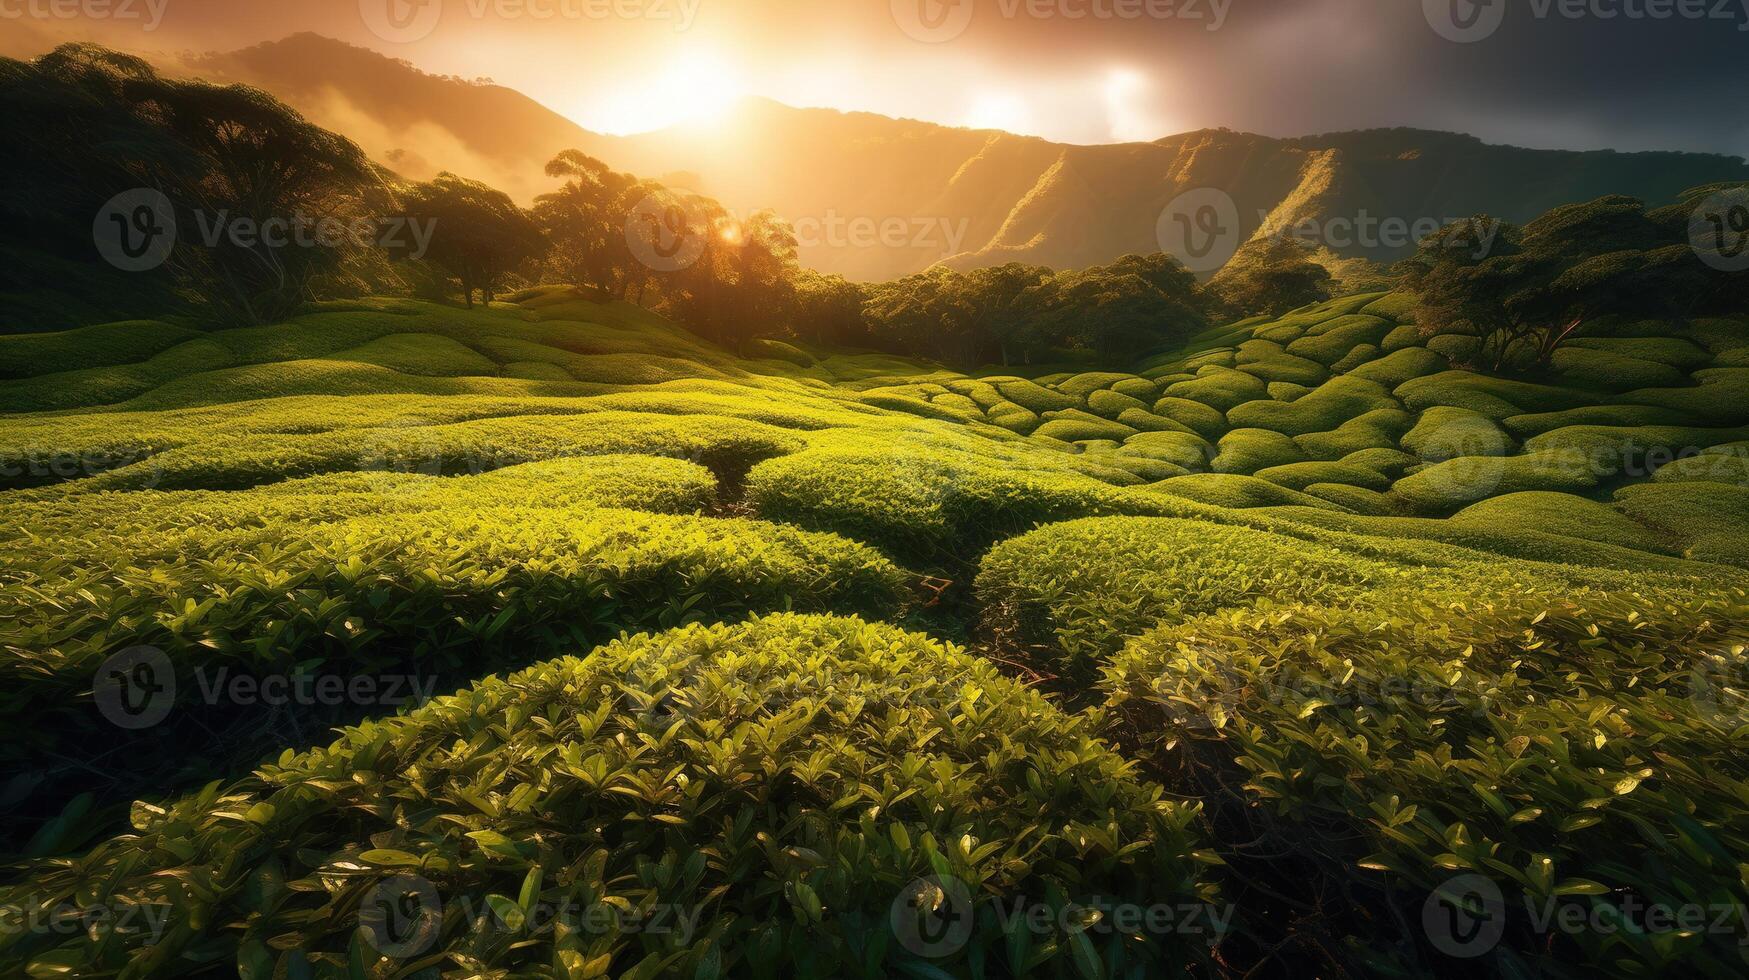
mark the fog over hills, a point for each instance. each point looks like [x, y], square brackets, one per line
[875, 197]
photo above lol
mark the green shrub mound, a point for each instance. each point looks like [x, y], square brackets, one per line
[1528, 426]
[1389, 462]
[1111, 404]
[928, 500]
[443, 592]
[1075, 426]
[1329, 342]
[1357, 356]
[786, 783]
[1245, 451]
[1083, 587]
[1562, 513]
[106, 345]
[1179, 448]
[1709, 467]
[1368, 503]
[1674, 351]
[1204, 420]
[1585, 367]
[421, 353]
[1321, 410]
[1082, 386]
[1398, 367]
[1235, 491]
[1497, 398]
[1707, 521]
[1402, 338]
[1570, 749]
[1721, 397]
[1379, 429]
[1444, 487]
[1449, 433]
[1299, 476]
[1220, 388]
[1285, 392]
[1281, 366]
[1145, 421]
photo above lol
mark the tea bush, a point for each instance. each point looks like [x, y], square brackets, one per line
[793, 785]
[1573, 748]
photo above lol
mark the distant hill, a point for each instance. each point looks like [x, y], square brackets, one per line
[962, 197]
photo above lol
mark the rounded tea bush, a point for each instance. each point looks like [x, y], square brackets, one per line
[783, 797]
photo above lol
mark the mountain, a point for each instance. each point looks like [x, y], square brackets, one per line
[875, 197]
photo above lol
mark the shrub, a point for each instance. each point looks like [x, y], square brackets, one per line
[1330, 341]
[1179, 448]
[1401, 338]
[777, 350]
[1145, 421]
[1074, 426]
[1248, 450]
[1674, 351]
[1235, 491]
[1082, 386]
[1079, 589]
[1220, 388]
[1110, 404]
[1722, 397]
[1364, 354]
[1299, 476]
[1497, 398]
[1141, 389]
[1568, 748]
[1279, 366]
[1562, 513]
[767, 778]
[1369, 503]
[1332, 404]
[1285, 391]
[1527, 426]
[1390, 462]
[443, 592]
[1710, 467]
[1035, 398]
[107, 345]
[1449, 433]
[1444, 487]
[1205, 420]
[1608, 371]
[1377, 429]
[421, 353]
[1399, 367]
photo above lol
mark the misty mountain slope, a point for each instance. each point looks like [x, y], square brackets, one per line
[876, 198]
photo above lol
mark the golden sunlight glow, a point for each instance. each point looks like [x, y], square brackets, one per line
[699, 86]
[1000, 110]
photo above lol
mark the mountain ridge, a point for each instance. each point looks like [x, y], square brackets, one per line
[972, 197]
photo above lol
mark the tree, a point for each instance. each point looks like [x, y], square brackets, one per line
[478, 235]
[1272, 276]
[1119, 316]
[239, 171]
[1523, 293]
[585, 220]
[827, 310]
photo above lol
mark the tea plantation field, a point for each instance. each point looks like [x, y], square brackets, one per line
[1273, 656]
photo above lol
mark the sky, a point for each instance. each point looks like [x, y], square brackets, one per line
[1579, 74]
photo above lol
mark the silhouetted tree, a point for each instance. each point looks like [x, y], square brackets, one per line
[478, 235]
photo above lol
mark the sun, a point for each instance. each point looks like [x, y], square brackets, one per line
[999, 110]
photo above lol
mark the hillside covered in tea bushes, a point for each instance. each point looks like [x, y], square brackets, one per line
[1286, 631]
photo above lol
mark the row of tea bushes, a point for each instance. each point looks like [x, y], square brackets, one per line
[806, 796]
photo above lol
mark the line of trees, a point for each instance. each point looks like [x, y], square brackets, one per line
[92, 124]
